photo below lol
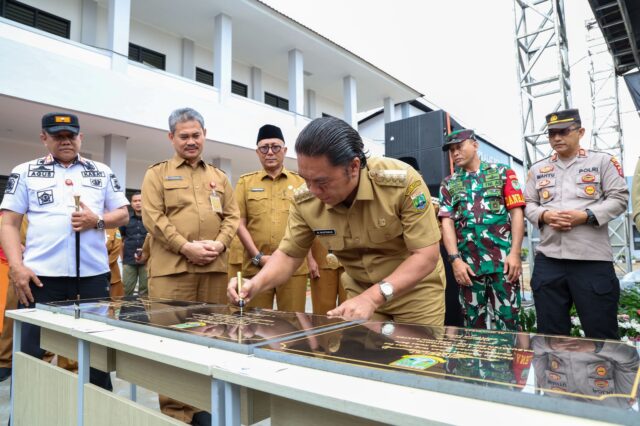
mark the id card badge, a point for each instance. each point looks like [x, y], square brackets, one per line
[216, 203]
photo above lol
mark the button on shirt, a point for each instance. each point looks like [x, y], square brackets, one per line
[592, 180]
[43, 190]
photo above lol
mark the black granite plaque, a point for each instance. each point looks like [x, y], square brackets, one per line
[219, 326]
[582, 377]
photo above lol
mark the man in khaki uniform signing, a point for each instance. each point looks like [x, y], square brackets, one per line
[264, 198]
[190, 212]
[374, 216]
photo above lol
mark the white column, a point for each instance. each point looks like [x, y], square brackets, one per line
[225, 165]
[257, 93]
[115, 156]
[311, 104]
[404, 110]
[296, 82]
[89, 22]
[389, 110]
[222, 54]
[350, 101]
[118, 30]
[188, 59]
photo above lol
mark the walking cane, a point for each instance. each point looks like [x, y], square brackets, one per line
[76, 309]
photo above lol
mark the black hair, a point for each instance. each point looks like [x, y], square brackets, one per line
[334, 138]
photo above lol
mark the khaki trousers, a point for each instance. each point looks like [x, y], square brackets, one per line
[290, 296]
[422, 305]
[326, 289]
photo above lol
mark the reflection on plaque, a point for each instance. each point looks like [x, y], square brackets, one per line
[114, 307]
[221, 326]
[230, 324]
[520, 369]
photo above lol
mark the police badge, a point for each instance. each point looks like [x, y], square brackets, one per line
[114, 183]
[12, 183]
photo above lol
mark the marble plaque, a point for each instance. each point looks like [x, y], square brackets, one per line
[595, 379]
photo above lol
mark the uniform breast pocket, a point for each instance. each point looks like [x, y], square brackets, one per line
[588, 186]
[175, 192]
[43, 195]
[392, 229]
[546, 189]
[257, 203]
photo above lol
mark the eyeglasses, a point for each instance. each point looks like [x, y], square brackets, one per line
[264, 149]
[560, 132]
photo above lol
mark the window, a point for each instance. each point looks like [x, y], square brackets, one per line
[276, 101]
[146, 56]
[29, 15]
[204, 76]
[239, 88]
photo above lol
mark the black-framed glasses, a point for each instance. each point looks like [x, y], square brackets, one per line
[275, 148]
[560, 132]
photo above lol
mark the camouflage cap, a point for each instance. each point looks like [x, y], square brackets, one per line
[457, 137]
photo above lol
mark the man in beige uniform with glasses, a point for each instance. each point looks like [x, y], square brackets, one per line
[374, 216]
[264, 198]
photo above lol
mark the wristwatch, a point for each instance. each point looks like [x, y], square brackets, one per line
[591, 218]
[100, 223]
[453, 257]
[386, 289]
[256, 259]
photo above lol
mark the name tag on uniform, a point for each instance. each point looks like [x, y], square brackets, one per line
[256, 189]
[173, 178]
[216, 203]
[324, 231]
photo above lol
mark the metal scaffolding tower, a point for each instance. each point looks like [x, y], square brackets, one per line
[543, 74]
[606, 132]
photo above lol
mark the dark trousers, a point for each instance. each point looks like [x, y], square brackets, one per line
[64, 288]
[591, 285]
[453, 311]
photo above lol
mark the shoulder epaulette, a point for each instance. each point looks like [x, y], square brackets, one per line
[216, 168]
[249, 174]
[157, 164]
[294, 172]
[389, 177]
[302, 194]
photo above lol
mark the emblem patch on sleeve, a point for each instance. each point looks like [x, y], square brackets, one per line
[419, 201]
[115, 184]
[12, 183]
[45, 197]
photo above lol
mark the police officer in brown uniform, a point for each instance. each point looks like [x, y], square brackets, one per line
[264, 198]
[374, 216]
[191, 214]
[571, 196]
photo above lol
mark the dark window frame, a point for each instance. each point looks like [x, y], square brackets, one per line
[237, 88]
[276, 101]
[38, 15]
[142, 50]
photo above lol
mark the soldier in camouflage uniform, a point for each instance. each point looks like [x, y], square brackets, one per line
[483, 226]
